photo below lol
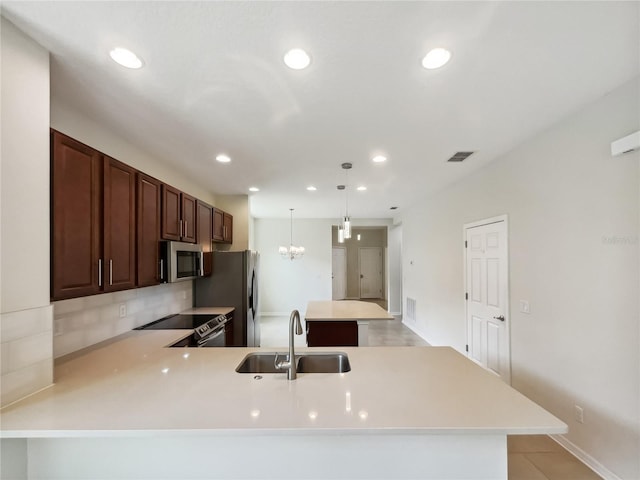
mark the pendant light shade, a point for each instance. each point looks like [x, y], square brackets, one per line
[346, 220]
[340, 234]
[347, 227]
[291, 252]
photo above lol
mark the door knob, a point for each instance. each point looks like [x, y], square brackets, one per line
[501, 318]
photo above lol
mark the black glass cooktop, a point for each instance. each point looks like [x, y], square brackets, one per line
[178, 321]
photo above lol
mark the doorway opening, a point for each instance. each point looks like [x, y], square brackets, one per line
[363, 258]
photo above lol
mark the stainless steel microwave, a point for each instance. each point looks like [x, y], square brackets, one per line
[180, 261]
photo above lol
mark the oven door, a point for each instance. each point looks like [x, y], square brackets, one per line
[215, 339]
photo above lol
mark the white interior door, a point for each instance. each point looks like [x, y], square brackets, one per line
[487, 297]
[370, 272]
[339, 273]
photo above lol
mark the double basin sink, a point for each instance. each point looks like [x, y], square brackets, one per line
[326, 362]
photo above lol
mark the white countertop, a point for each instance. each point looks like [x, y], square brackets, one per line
[341, 310]
[132, 386]
[209, 310]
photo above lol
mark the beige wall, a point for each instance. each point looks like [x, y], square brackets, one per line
[574, 255]
[25, 313]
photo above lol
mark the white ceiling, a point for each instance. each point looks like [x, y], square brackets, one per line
[214, 81]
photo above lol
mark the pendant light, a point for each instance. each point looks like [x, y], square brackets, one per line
[292, 252]
[346, 223]
[341, 225]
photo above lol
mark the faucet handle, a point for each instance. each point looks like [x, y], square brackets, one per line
[276, 363]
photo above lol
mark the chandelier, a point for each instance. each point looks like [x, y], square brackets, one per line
[291, 252]
[344, 229]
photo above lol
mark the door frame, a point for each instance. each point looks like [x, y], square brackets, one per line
[507, 324]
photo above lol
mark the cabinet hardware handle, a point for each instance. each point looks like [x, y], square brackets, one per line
[100, 272]
[181, 230]
[110, 272]
[185, 229]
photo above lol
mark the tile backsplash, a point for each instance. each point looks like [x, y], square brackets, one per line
[25, 352]
[81, 322]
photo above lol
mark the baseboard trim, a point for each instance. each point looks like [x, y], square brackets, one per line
[275, 314]
[585, 458]
[416, 330]
[395, 314]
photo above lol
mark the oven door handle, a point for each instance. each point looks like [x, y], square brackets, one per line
[215, 334]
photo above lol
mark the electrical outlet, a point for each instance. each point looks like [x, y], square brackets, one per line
[123, 310]
[525, 307]
[184, 295]
[578, 413]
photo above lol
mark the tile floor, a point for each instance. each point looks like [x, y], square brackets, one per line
[531, 457]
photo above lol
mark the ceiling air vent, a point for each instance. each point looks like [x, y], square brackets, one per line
[459, 156]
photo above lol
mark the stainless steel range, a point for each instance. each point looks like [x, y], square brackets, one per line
[208, 330]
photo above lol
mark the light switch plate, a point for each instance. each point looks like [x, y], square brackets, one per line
[525, 307]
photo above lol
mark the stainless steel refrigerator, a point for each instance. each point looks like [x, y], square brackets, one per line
[233, 283]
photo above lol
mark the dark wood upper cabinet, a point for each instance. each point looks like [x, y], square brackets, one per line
[227, 228]
[171, 225]
[148, 193]
[107, 220]
[76, 234]
[178, 215]
[119, 225]
[204, 230]
[188, 211]
[222, 226]
[218, 225]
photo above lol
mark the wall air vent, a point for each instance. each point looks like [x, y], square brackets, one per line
[460, 156]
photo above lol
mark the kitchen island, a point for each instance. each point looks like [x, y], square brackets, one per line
[341, 322]
[130, 408]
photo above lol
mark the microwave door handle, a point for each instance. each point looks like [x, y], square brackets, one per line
[161, 269]
[202, 264]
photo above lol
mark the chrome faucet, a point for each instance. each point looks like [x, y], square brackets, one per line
[290, 365]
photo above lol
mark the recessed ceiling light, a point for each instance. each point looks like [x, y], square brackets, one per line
[254, 189]
[379, 159]
[297, 59]
[222, 158]
[311, 188]
[125, 57]
[436, 58]
[362, 188]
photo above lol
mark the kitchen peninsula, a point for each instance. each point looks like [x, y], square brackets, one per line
[130, 408]
[341, 322]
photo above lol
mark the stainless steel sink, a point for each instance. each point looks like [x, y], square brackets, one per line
[334, 362]
[260, 363]
[264, 362]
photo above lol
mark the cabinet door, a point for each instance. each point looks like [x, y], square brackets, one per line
[119, 225]
[203, 233]
[148, 193]
[188, 211]
[75, 210]
[332, 334]
[227, 228]
[171, 226]
[218, 225]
